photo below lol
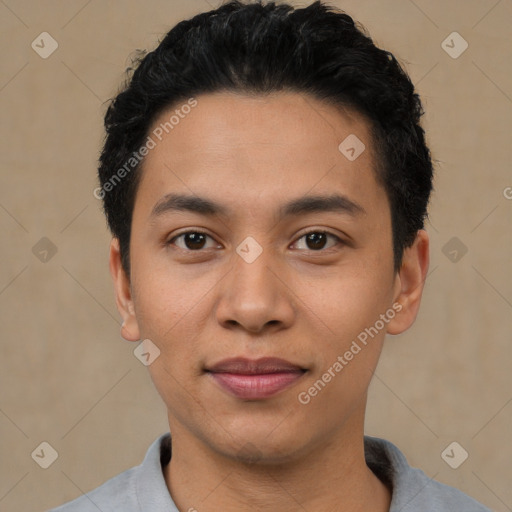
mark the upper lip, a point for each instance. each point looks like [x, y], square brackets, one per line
[244, 366]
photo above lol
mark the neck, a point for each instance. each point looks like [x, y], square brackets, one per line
[330, 476]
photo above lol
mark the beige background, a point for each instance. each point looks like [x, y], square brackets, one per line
[66, 376]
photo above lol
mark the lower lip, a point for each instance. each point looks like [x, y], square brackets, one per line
[255, 387]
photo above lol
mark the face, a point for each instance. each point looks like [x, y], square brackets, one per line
[254, 236]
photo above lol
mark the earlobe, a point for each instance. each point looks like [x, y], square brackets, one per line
[129, 327]
[409, 283]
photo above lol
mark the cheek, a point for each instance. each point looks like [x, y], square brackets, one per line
[162, 295]
[172, 313]
[173, 309]
[350, 308]
[350, 299]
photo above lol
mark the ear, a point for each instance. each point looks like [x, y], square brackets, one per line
[409, 282]
[129, 328]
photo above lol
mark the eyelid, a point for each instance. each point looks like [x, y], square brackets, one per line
[170, 241]
[339, 240]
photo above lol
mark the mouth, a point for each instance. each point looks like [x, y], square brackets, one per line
[255, 379]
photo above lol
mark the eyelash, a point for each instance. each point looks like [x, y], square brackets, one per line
[339, 241]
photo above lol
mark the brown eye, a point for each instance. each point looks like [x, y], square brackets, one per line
[191, 240]
[318, 240]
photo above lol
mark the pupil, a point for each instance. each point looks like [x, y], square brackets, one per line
[194, 240]
[316, 240]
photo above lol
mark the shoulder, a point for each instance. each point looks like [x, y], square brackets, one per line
[139, 488]
[118, 493]
[413, 490]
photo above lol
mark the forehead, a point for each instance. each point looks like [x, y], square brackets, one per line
[242, 147]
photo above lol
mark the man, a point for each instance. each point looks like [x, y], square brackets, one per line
[266, 180]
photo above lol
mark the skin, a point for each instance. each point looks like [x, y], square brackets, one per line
[252, 155]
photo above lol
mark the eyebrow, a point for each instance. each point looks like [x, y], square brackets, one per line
[301, 206]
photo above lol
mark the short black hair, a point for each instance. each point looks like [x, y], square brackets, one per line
[260, 48]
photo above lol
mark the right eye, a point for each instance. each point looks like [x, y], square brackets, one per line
[192, 241]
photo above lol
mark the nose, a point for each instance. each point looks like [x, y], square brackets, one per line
[255, 297]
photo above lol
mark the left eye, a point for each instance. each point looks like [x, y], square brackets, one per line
[318, 240]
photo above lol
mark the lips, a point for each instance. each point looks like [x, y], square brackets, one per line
[255, 379]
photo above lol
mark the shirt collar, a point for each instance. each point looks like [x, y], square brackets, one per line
[152, 492]
[383, 458]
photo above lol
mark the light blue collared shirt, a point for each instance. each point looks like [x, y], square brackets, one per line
[143, 488]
